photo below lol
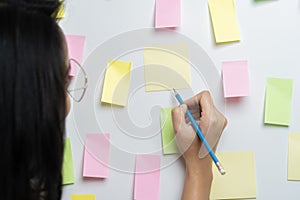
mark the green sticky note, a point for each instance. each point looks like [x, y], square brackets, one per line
[68, 168]
[294, 157]
[167, 132]
[83, 197]
[278, 101]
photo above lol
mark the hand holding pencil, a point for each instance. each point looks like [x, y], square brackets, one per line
[213, 123]
[197, 158]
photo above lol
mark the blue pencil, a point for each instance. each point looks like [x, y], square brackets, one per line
[201, 136]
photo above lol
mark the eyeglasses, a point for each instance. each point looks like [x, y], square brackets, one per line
[77, 93]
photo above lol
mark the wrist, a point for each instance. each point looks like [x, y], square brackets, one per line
[198, 180]
[200, 168]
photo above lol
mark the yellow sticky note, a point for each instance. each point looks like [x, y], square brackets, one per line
[224, 20]
[61, 12]
[239, 182]
[294, 157]
[167, 67]
[83, 197]
[68, 167]
[116, 82]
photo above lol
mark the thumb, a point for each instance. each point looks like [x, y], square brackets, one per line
[178, 117]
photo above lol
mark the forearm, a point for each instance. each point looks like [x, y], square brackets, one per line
[198, 179]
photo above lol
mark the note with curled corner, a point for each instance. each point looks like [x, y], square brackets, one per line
[224, 20]
[96, 156]
[116, 82]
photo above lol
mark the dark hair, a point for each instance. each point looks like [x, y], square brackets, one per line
[33, 76]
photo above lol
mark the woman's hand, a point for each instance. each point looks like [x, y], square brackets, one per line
[198, 162]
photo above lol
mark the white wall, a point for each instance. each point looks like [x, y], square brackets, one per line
[270, 41]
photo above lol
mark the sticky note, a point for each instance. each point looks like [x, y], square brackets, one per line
[116, 82]
[235, 79]
[239, 182]
[61, 12]
[294, 157]
[224, 20]
[278, 101]
[96, 156]
[68, 167]
[75, 45]
[147, 177]
[83, 197]
[167, 67]
[167, 13]
[167, 132]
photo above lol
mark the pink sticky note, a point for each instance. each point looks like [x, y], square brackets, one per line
[235, 79]
[75, 48]
[96, 156]
[167, 13]
[147, 177]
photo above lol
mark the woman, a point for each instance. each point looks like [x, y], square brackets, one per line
[33, 81]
